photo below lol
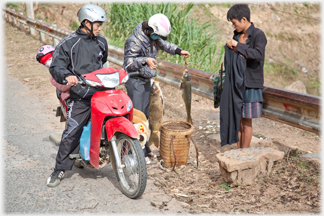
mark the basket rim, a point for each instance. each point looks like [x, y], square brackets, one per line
[165, 123]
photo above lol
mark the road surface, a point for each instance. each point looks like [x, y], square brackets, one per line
[29, 156]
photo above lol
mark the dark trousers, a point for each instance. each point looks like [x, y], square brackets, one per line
[79, 112]
[138, 89]
[146, 150]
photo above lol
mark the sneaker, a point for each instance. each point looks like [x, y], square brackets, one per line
[55, 178]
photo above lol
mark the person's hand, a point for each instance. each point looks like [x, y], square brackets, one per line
[231, 43]
[151, 63]
[185, 53]
[72, 80]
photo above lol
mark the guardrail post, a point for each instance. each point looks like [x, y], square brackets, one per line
[6, 17]
[30, 15]
[10, 19]
[14, 20]
[32, 30]
[42, 35]
[55, 41]
[21, 25]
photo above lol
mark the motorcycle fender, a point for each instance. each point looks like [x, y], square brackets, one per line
[120, 124]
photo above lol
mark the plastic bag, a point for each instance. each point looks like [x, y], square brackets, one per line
[85, 142]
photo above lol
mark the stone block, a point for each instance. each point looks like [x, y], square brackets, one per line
[242, 166]
[312, 158]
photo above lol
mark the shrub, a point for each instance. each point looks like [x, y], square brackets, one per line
[189, 33]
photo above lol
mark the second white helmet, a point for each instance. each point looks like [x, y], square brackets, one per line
[160, 24]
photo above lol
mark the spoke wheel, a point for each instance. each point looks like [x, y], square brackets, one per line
[131, 175]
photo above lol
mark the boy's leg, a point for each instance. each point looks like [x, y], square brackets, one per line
[240, 135]
[246, 132]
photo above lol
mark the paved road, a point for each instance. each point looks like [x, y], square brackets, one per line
[29, 157]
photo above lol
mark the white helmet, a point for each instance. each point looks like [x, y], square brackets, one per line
[92, 12]
[160, 24]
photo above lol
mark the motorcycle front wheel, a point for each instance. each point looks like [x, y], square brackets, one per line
[132, 176]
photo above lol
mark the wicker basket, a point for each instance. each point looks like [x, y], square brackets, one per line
[175, 142]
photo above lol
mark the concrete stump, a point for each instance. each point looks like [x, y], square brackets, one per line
[242, 166]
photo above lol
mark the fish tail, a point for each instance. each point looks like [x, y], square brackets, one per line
[189, 119]
[154, 139]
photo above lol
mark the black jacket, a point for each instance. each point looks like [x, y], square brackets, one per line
[253, 51]
[232, 97]
[78, 54]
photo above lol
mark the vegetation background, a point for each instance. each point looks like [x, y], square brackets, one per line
[292, 29]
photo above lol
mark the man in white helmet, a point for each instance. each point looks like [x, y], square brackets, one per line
[82, 52]
[141, 48]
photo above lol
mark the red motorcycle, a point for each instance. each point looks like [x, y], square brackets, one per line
[113, 138]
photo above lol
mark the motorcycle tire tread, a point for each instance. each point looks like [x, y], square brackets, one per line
[142, 167]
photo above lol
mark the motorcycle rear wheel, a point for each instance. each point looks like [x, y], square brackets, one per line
[132, 177]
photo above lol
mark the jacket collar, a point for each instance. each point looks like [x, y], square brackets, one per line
[82, 34]
[250, 30]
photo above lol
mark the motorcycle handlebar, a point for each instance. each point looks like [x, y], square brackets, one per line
[81, 82]
[131, 74]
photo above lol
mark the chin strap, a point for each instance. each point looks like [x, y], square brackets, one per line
[90, 31]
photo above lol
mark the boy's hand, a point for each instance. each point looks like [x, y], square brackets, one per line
[231, 43]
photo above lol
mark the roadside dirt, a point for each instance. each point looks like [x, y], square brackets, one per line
[292, 187]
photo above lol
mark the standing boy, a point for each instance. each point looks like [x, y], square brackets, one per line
[249, 42]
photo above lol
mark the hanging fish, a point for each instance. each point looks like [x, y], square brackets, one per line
[185, 87]
[155, 113]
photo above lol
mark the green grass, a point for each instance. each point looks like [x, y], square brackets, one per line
[189, 33]
[281, 70]
[226, 186]
[314, 84]
[284, 74]
[12, 5]
[306, 4]
[74, 25]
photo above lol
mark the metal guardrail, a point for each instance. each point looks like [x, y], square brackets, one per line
[292, 108]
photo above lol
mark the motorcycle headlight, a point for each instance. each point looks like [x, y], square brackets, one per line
[125, 79]
[129, 105]
[109, 80]
[93, 83]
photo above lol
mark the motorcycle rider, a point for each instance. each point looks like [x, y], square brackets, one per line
[81, 52]
[141, 48]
